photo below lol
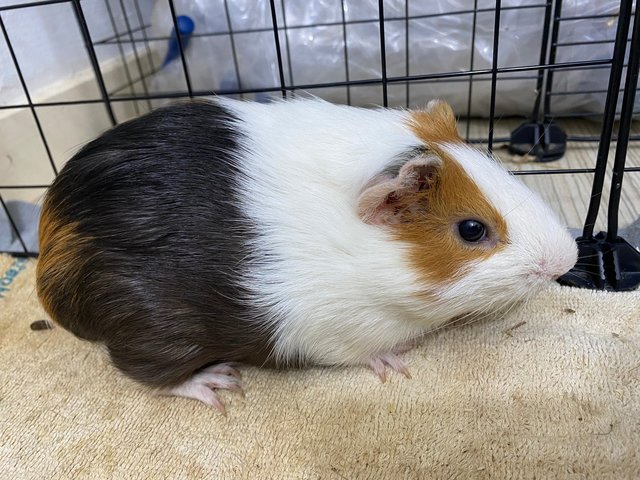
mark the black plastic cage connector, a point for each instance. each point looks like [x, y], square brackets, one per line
[606, 260]
[605, 265]
[545, 141]
[541, 137]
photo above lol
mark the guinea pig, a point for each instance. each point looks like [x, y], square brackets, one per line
[215, 233]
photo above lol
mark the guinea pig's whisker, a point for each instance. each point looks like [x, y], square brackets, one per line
[536, 143]
[519, 204]
[455, 323]
[486, 311]
[574, 275]
[513, 306]
[588, 256]
[578, 270]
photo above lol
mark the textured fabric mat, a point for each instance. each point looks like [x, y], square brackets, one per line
[550, 391]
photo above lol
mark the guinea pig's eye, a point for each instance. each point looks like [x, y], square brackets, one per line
[472, 230]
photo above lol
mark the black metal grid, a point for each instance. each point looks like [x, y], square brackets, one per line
[136, 36]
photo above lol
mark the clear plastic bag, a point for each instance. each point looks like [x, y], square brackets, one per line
[439, 40]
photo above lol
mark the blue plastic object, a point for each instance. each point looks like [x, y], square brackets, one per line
[186, 26]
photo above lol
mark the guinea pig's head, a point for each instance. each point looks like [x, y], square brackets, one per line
[477, 237]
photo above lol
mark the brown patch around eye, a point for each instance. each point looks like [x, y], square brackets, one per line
[430, 216]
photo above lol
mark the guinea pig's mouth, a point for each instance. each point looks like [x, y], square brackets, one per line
[547, 274]
[550, 269]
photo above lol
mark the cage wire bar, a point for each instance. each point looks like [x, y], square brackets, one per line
[86, 37]
[125, 65]
[183, 57]
[494, 75]
[135, 52]
[232, 42]
[615, 267]
[276, 42]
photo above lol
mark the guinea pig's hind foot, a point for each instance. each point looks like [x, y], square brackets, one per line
[380, 362]
[202, 385]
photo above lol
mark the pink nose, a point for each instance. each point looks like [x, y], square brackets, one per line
[550, 270]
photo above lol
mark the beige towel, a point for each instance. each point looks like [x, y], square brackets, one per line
[552, 391]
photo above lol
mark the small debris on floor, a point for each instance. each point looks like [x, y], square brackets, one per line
[41, 325]
[510, 330]
[569, 310]
[507, 156]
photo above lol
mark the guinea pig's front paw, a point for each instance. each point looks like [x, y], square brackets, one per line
[380, 362]
[202, 385]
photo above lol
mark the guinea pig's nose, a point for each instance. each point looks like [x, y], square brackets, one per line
[551, 269]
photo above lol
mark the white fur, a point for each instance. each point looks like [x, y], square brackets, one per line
[340, 291]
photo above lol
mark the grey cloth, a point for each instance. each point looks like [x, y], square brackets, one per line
[25, 216]
[632, 233]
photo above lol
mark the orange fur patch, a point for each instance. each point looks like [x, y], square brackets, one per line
[436, 124]
[438, 252]
[60, 260]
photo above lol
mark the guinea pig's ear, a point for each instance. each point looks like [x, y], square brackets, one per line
[442, 110]
[387, 196]
[436, 123]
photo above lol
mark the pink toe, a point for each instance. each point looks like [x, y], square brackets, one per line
[381, 361]
[209, 397]
[224, 369]
[378, 367]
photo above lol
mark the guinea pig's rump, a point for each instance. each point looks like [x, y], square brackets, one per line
[142, 241]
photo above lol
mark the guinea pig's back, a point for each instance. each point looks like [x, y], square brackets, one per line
[142, 245]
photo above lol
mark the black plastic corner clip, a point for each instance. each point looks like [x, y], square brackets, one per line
[604, 265]
[547, 142]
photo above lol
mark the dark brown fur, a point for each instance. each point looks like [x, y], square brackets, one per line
[142, 247]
